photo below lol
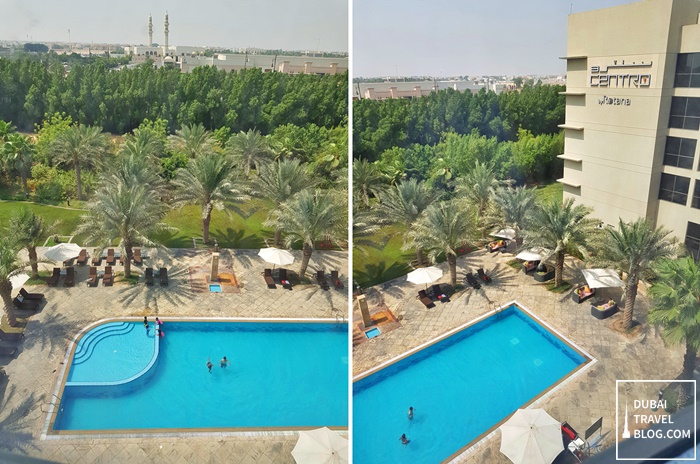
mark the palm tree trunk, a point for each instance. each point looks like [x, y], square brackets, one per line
[24, 185]
[559, 268]
[6, 293]
[630, 298]
[127, 260]
[33, 260]
[78, 182]
[688, 369]
[419, 256]
[452, 262]
[366, 197]
[278, 237]
[305, 257]
[206, 219]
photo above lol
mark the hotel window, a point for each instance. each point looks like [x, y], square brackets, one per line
[680, 152]
[692, 240]
[688, 70]
[685, 113]
[674, 188]
[695, 201]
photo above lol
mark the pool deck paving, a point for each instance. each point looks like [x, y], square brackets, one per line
[32, 373]
[583, 398]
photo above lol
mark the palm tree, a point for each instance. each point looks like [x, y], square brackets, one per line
[249, 148]
[634, 248]
[405, 203]
[445, 227]
[281, 180]
[209, 180]
[477, 187]
[129, 213]
[144, 143]
[676, 308]
[19, 151]
[6, 128]
[29, 229]
[79, 146]
[134, 165]
[514, 208]
[366, 178]
[311, 216]
[560, 228]
[192, 140]
[10, 265]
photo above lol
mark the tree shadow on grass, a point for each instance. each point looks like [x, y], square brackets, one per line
[374, 274]
[237, 239]
[15, 436]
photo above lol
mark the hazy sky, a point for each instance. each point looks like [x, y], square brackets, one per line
[452, 37]
[285, 24]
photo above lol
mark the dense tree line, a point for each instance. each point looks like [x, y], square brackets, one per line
[381, 125]
[119, 100]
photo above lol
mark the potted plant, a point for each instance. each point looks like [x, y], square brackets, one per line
[543, 273]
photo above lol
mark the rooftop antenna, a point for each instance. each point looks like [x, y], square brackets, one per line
[70, 47]
[571, 10]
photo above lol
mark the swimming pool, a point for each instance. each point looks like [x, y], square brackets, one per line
[460, 386]
[282, 376]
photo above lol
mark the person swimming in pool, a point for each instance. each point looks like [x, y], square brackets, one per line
[410, 413]
[404, 440]
[209, 365]
[224, 362]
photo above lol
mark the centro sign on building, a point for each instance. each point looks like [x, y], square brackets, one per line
[633, 114]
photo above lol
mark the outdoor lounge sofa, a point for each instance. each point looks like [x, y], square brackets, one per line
[10, 337]
[92, 277]
[108, 278]
[544, 275]
[423, 297]
[337, 283]
[111, 260]
[604, 311]
[482, 276]
[53, 280]
[582, 293]
[148, 276]
[497, 245]
[163, 274]
[25, 304]
[529, 266]
[31, 296]
[82, 257]
[471, 280]
[439, 294]
[284, 280]
[321, 279]
[7, 350]
[70, 277]
[267, 275]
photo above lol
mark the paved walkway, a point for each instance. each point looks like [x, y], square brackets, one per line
[34, 370]
[579, 402]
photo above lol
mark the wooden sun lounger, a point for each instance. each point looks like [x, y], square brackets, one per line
[321, 279]
[148, 276]
[137, 256]
[31, 296]
[108, 278]
[267, 275]
[111, 260]
[53, 280]
[284, 280]
[10, 337]
[96, 259]
[163, 274]
[82, 257]
[471, 280]
[423, 297]
[92, 277]
[336, 280]
[70, 277]
[30, 305]
[439, 294]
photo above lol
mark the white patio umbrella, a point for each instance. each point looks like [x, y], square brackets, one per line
[602, 278]
[531, 436]
[276, 256]
[424, 275]
[320, 446]
[508, 234]
[62, 252]
[18, 280]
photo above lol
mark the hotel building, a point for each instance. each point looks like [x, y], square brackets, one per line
[633, 115]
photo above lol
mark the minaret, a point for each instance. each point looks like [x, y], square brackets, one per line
[150, 31]
[165, 51]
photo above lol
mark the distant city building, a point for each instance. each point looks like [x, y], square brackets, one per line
[633, 115]
[409, 90]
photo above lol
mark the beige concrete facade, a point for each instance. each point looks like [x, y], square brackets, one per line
[621, 71]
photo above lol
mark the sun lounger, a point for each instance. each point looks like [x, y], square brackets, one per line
[53, 280]
[148, 276]
[336, 280]
[267, 275]
[7, 350]
[321, 279]
[25, 304]
[423, 297]
[137, 256]
[108, 278]
[96, 259]
[483, 277]
[438, 293]
[471, 280]
[111, 260]
[284, 280]
[70, 277]
[31, 296]
[163, 274]
[82, 257]
[10, 337]
[92, 277]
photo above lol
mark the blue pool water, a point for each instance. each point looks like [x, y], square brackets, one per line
[459, 387]
[215, 288]
[281, 375]
[371, 333]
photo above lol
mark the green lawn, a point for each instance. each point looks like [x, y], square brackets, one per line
[373, 264]
[553, 190]
[66, 220]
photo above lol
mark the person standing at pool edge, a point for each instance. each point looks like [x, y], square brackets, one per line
[410, 413]
[145, 321]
